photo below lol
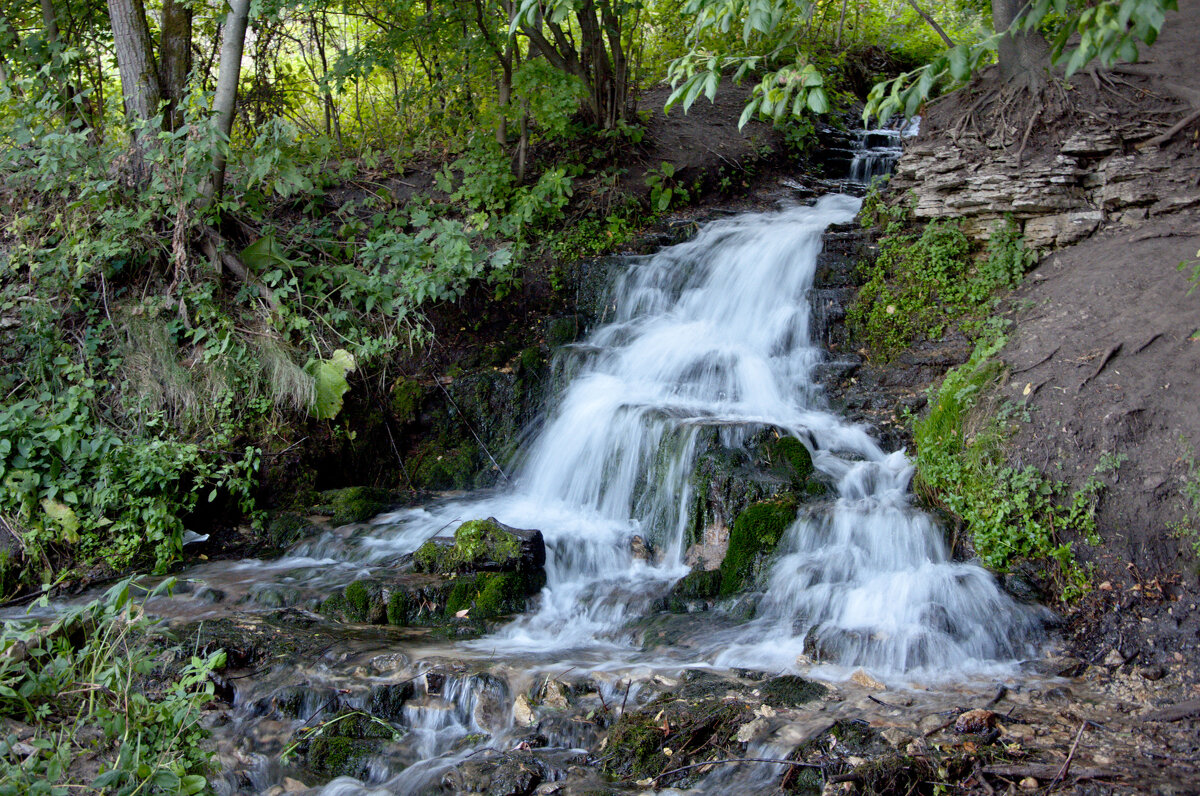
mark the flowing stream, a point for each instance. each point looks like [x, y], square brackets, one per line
[715, 333]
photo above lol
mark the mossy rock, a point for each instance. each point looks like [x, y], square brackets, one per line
[360, 601]
[344, 744]
[562, 331]
[490, 595]
[790, 459]
[354, 504]
[286, 529]
[478, 544]
[754, 536]
[446, 467]
[406, 397]
[693, 730]
[693, 590]
[790, 691]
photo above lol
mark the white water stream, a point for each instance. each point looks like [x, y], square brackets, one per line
[715, 332]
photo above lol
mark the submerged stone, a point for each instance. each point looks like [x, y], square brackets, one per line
[790, 691]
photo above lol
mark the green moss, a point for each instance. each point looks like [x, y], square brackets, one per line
[791, 458]
[358, 600]
[790, 691]
[562, 331]
[406, 400]
[355, 503]
[476, 543]
[699, 585]
[397, 608]
[343, 745]
[440, 467]
[531, 359]
[334, 606]
[285, 529]
[755, 534]
[489, 595]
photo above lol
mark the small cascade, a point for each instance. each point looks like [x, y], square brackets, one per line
[875, 156]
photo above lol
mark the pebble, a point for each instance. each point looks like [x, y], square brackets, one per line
[896, 737]
[975, 721]
[1113, 658]
[522, 711]
[1029, 783]
[293, 785]
[867, 681]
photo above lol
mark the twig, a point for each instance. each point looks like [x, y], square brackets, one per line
[1066, 766]
[450, 398]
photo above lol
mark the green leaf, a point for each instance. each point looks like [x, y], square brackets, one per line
[817, 101]
[66, 518]
[331, 385]
[960, 68]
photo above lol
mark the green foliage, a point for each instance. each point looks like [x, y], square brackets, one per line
[75, 485]
[1110, 31]
[329, 377]
[755, 533]
[1011, 513]
[665, 189]
[920, 284]
[86, 672]
[1187, 527]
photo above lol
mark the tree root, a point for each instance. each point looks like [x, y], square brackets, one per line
[214, 247]
[1174, 130]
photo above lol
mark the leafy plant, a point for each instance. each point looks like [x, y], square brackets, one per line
[83, 684]
[1012, 513]
[918, 285]
[665, 190]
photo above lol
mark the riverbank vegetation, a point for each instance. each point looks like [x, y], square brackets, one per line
[214, 241]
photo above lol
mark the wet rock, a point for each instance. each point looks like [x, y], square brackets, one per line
[483, 546]
[505, 774]
[976, 721]
[755, 534]
[344, 745]
[639, 549]
[790, 691]
[860, 677]
[286, 529]
[695, 592]
[523, 712]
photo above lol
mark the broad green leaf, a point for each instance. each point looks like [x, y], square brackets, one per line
[331, 385]
[817, 101]
[960, 68]
[65, 517]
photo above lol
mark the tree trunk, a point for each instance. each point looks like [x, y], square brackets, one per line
[175, 51]
[139, 77]
[232, 42]
[135, 59]
[1024, 56]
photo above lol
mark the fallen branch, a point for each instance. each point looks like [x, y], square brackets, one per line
[1066, 766]
[1174, 130]
[1040, 771]
[796, 763]
[1183, 710]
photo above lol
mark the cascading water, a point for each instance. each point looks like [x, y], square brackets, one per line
[712, 339]
[715, 332]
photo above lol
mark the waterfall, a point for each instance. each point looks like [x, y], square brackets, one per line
[716, 332]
